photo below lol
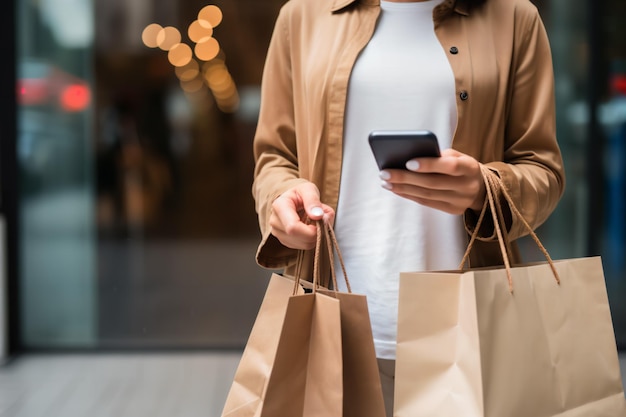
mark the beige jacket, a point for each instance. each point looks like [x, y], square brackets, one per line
[501, 60]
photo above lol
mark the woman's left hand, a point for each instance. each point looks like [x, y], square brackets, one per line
[452, 183]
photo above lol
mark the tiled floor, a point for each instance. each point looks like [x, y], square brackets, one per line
[117, 385]
[120, 385]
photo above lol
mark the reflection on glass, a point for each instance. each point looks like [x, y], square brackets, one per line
[177, 228]
[57, 233]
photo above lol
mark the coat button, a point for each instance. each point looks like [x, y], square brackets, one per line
[464, 96]
[454, 50]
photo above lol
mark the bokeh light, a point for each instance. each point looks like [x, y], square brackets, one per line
[222, 85]
[180, 55]
[75, 97]
[218, 77]
[168, 37]
[207, 50]
[211, 14]
[228, 104]
[214, 73]
[192, 86]
[149, 35]
[199, 31]
[189, 71]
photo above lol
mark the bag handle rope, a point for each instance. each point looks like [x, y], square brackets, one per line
[324, 229]
[495, 187]
[331, 238]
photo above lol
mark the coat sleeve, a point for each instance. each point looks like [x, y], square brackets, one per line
[275, 152]
[532, 167]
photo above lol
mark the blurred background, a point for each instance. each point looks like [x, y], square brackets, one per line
[126, 166]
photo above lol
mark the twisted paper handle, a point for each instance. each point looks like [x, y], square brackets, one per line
[494, 187]
[323, 229]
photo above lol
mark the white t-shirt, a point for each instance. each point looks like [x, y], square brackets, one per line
[401, 80]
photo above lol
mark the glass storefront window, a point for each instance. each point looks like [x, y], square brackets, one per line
[55, 93]
[138, 227]
[612, 121]
[137, 222]
[590, 219]
[567, 30]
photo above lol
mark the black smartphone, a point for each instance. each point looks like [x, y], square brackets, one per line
[393, 148]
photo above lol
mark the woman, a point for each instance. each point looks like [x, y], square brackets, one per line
[478, 73]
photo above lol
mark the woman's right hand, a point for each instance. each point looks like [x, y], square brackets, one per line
[291, 215]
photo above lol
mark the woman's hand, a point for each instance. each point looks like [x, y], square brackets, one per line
[291, 213]
[452, 183]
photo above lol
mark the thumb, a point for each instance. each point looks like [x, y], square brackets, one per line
[310, 196]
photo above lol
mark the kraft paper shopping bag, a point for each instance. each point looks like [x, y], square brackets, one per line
[291, 364]
[362, 395]
[469, 347]
[308, 354]
[525, 341]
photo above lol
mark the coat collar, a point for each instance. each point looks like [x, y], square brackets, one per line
[459, 6]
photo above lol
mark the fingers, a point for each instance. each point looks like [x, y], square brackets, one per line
[451, 162]
[452, 182]
[447, 201]
[445, 205]
[291, 215]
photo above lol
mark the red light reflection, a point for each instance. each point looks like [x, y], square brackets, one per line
[49, 85]
[32, 91]
[75, 97]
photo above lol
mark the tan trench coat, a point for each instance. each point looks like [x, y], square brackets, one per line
[501, 60]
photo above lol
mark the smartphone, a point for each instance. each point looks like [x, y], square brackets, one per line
[393, 148]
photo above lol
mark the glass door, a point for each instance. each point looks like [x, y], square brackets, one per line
[137, 225]
[54, 147]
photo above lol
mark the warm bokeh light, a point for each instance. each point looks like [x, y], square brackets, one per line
[222, 86]
[150, 34]
[214, 63]
[214, 73]
[229, 105]
[200, 31]
[207, 50]
[217, 76]
[189, 71]
[180, 55]
[168, 37]
[192, 86]
[225, 92]
[211, 14]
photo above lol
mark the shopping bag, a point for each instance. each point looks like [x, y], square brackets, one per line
[533, 340]
[308, 354]
[362, 390]
[291, 364]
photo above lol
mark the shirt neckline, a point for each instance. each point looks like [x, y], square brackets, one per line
[386, 5]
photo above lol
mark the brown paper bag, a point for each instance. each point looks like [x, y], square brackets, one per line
[306, 378]
[308, 355]
[468, 347]
[527, 341]
[292, 361]
[362, 390]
